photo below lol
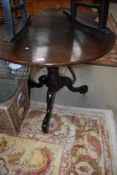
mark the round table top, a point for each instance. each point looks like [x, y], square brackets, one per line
[55, 40]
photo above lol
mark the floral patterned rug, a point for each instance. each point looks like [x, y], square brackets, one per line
[80, 142]
[110, 59]
[27, 156]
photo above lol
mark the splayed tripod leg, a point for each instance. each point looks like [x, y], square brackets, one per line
[50, 100]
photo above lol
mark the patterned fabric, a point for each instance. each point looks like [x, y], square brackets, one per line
[110, 59]
[7, 70]
[79, 142]
[21, 156]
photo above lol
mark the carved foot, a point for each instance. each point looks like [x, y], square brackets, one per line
[83, 89]
[65, 81]
[42, 81]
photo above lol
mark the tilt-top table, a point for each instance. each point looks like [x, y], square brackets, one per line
[53, 40]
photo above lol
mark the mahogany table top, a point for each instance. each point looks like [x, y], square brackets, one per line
[55, 40]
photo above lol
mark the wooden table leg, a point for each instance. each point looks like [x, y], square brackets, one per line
[50, 101]
[54, 82]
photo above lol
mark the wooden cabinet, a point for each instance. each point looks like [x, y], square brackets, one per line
[65, 3]
[1, 13]
[34, 6]
[47, 4]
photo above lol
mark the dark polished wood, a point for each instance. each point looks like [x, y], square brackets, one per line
[54, 81]
[53, 39]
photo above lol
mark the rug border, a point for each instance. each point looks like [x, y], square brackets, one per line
[110, 120]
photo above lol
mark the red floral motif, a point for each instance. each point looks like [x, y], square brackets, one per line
[85, 139]
[35, 113]
[95, 143]
[47, 159]
[85, 164]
